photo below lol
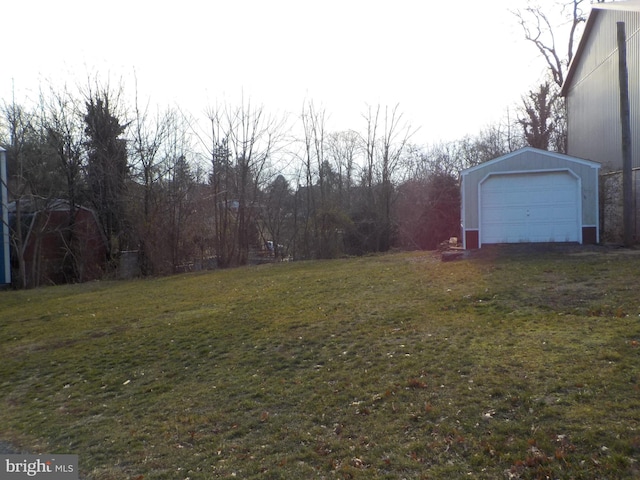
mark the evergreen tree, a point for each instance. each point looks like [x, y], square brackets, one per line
[107, 168]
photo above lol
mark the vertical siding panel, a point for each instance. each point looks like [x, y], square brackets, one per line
[633, 53]
[594, 97]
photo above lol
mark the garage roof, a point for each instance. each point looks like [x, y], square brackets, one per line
[560, 156]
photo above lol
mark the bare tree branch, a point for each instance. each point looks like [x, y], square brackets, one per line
[539, 30]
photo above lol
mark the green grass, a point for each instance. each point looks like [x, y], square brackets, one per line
[394, 366]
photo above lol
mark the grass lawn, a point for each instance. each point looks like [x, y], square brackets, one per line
[394, 366]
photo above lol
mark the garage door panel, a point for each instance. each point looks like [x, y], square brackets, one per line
[530, 207]
[500, 215]
[552, 213]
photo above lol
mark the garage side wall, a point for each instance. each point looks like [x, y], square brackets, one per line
[532, 160]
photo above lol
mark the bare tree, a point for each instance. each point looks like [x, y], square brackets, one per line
[241, 142]
[313, 123]
[491, 142]
[19, 123]
[276, 209]
[539, 29]
[344, 148]
[385, 142]
[543, 117]
[325, 220]
[149, 133]
[216, 142]
[369, 142]
[33, 180]
[395, 137]
[180, 229]
[253, 138]
[62, 122]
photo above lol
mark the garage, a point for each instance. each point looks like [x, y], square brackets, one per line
[530, 196]
[530, 207]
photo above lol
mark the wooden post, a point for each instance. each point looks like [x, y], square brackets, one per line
[625, 119]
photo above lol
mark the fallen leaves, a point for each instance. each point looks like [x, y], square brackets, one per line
[416, 383]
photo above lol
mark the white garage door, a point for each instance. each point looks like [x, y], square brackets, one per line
[530, 207]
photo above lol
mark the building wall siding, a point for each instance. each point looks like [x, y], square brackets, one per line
[593, 99]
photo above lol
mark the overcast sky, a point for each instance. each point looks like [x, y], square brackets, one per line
[453, 66]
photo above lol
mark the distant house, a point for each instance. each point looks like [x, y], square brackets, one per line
[57, 249]
[5, 264]
[592, 94]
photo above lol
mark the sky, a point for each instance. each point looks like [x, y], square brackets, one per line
[452, 67]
